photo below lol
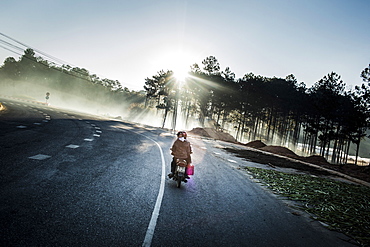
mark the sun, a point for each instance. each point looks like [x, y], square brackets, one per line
[180, 73]
[180, 65]
[178, 61]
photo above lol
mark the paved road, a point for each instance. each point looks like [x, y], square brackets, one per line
[70, 179]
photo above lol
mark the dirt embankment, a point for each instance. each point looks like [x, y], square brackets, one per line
[214, 134]
[360, 172]
[283, 151]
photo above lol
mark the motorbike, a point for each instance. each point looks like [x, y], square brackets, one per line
[180, 172]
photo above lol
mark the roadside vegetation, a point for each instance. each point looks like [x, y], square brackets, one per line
[342, 206]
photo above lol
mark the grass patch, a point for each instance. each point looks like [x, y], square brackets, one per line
[344, 207]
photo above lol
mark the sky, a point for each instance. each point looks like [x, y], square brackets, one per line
[130, 40]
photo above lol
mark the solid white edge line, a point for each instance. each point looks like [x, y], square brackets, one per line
[153, 221]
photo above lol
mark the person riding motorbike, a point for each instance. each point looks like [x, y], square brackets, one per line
[181, 149]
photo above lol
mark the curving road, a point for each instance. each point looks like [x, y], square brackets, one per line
[71, 179]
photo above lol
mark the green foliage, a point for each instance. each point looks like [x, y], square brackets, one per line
[344, 207]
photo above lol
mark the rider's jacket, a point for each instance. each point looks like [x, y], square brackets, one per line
[181, 149]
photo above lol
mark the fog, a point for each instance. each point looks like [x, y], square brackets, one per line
[58, 98]
[128, 106]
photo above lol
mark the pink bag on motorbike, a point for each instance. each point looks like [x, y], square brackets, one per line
[190, 169]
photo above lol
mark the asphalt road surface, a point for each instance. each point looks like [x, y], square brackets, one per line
[71, 179]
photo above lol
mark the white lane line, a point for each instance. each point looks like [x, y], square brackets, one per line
[21, 127]
[153, 221]
[88, 140]
[216, 153]
[98, 131]
[232, 161]
[37, 123]
[72, 146]
[204, 148]
[96, 135]
[39, 157]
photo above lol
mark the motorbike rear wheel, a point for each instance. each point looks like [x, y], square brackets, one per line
[178, 182]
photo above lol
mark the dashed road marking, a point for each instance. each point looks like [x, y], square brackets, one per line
[88, 140]
[98, 131]
[72, 146]
[21, 127]
[96, 135]
[216, 153]
[232, 161]
[39, 157]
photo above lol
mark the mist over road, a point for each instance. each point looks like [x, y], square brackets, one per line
[70, 179]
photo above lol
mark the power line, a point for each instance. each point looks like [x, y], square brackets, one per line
[50, 57]
[11, 47]
[10, 50]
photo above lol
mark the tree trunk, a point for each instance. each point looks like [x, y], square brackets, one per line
[357, 148]
[164, 117]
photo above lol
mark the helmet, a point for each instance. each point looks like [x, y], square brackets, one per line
[183, 133]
